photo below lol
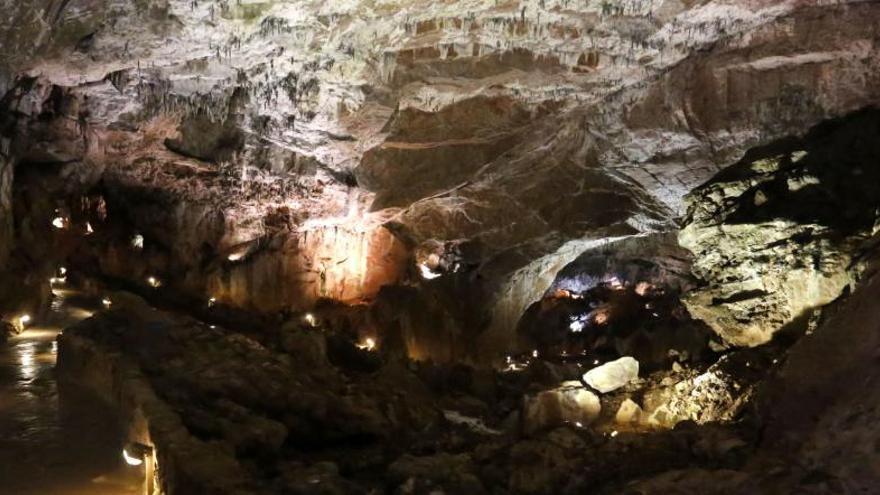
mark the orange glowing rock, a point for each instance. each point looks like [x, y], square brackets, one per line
[643, 288]
[562, 294]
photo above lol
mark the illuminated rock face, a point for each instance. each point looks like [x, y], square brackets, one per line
[775, 238]
[570, 404]
[347, 263]
[525, 132]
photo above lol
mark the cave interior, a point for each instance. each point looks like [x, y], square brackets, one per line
[526, 247]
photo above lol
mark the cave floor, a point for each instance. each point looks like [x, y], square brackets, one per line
[54, 437]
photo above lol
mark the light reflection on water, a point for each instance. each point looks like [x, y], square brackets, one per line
[55, 439]
[26, 353]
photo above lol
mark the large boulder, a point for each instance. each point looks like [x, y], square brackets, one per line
[613, 375]
[571, 403]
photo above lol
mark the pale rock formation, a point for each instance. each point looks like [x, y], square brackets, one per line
[710, 396]
[612, 375]
[628, 413]
[570, 403]
[776, 237]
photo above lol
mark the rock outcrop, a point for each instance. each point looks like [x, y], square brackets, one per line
[817, 417]
[569, 404]
[162, 372]
[611, 376]
[779, 236]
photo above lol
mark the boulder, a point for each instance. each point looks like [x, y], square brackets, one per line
[571, 403]
[308, 346]
[613, 375]
[628, 413]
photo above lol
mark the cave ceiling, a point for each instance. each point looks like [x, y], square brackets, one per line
[516, 134]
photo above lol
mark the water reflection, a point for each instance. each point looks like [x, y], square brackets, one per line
[26, 353]
[55, 439]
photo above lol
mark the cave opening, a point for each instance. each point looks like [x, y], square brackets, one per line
[524, 248]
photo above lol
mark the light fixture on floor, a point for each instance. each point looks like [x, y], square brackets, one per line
[427, 273]
[107, 302]
[23, 321]
[137, 241]
[310, 319]
[369, 344]
[154, 282]
[60, 278]
[135, 453]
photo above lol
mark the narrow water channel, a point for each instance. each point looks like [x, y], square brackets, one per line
[56, 439]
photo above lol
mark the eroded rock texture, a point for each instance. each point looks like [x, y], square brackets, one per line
[503, 137]
[424, 222]
[779, 236]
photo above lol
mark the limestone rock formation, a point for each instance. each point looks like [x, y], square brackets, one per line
[628, 413]
[817, 427]
[570, 403]
[611, 376]
[458, 124]
[776, 237]
[408, 228]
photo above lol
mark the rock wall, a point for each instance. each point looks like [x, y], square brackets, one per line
[777, 237]
[816, 413]
[7, 169]
[347, 263]
[519, 132]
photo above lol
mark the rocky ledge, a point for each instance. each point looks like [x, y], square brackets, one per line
[319, 413]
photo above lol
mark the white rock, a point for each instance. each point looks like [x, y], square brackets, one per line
[570, 403]
[613, 375]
